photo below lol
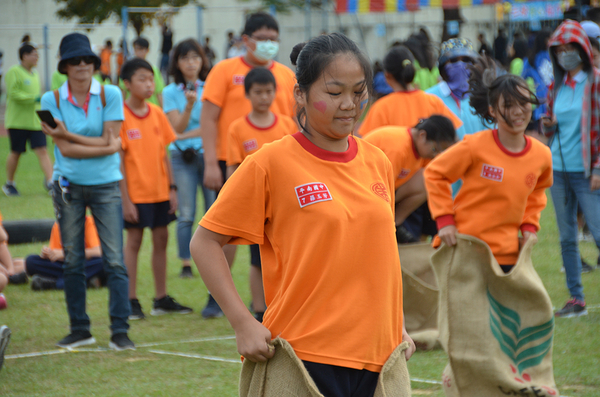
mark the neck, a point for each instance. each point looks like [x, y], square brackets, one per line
[255, 62]
[327, 143]
[397, 87]
[137, 105]
[190, 78]
[80, 87]
[262, 119]
[573, 73]
[27, 66]
[512, 142]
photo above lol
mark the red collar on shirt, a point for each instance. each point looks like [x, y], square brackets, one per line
[85, 105]
[339, 157]
[570, 82]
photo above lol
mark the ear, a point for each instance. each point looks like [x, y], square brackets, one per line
[389, 78]
[492, 112]
[300, 96]
[248, 43]
[421, 136]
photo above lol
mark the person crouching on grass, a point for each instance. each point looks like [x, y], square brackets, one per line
[149, 194]
[308, 199]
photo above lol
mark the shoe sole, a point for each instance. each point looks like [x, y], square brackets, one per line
[114, 346]
[4, 339]
[212, 316]
[572, 315]
[160, 312]
[134, 318]
[83, 342]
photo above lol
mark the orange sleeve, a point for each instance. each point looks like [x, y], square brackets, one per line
[168, 133]
[215, 88]
[0, 218]
[440, 174]
[537, 200]
[123, 135]
[444, 110]
[91, 233]
[235, 150]
[375, 119]
[55, 241]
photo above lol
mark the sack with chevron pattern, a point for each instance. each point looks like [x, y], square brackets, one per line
[496, 328]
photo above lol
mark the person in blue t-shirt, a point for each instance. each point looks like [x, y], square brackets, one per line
[182, 105]
[87, 174]
[538, 68]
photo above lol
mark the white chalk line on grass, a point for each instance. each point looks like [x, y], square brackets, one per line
[201, 356]
[186, 341]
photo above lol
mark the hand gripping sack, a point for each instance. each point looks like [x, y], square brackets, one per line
[420, 294]
[284, 375]
[496, 328]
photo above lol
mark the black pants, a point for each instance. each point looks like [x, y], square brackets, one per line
[334, 381]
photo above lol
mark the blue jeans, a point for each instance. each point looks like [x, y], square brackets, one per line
[570, 189]
[188, 177]
[105, 204]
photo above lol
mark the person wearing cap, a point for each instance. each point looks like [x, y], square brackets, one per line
[87, 174]
[593, 32]
[21, 121]
[456, 56]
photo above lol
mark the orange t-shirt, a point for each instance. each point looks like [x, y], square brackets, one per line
[144, 141]
[332, 280]
[405, 109]
[90, 234]
[502, 191]
[105, 55]
[398, 145]
[246, 138]
[224, 87]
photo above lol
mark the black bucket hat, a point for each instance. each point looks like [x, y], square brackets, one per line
[76, 45]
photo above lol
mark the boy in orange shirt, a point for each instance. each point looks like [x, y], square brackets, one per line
[410, 150]
[149, 197]
[247, 135]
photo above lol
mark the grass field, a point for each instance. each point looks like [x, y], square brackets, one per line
[39, 319]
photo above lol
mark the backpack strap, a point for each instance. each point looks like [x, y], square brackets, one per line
[57, 99]
[102, 96]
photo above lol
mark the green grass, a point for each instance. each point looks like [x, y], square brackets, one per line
[39, 320]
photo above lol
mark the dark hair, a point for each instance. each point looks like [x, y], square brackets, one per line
[521, 48]
[295, 52]
[595, 43]
[316, 55]
[486, 89]
[399, 62]
[26, 48]
[132, 66]
[182, 49]
[259, 76]
[26, 38]
[540, 44]
[437, 128]
[108, 43]
[421, 49]
[141, 42]
[259, 20]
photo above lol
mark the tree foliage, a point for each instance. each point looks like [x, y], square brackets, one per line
[97, 11]
[285, 6]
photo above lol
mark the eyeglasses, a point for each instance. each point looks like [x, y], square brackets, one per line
[77, 60]
[190, 58]
[63, 183]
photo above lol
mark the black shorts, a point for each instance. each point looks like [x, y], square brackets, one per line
[255, 256]
[152, 215]
[334, 381]
[19, 138]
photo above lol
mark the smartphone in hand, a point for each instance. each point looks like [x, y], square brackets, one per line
[46, 117]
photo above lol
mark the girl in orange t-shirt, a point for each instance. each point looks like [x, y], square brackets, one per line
[407, 104]
[410, 150]
[320, 204]
[505, 173]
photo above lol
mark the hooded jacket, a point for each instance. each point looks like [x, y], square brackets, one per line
[572, 32]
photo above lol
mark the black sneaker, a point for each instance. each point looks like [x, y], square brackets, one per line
[403, 236]
[585, 267]
[39, 283]
[136, 310]
[4, 339]
[212, 309]
[121, 342]
[168, 305]
[573, 308]
[19, 278]
[186, 272]
[76, 339]
[10, 190]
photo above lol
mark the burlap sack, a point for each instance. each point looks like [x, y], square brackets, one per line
[496, 328]
[420, 294]
[285, 376]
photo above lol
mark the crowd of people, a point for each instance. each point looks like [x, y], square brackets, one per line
[287, 164]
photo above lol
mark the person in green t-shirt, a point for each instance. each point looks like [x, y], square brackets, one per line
[22, 100]
[141, 47]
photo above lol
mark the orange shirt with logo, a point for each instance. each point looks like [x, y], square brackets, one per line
[398, 145]
[90, 235]
[246, 138]
[144, 141]
[224, 87]
[332, 281]
[502, 191]
[105, 55]
[405, 109]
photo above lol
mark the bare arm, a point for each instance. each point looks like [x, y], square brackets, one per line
[172, 192]
[179, 120]
[78, 151]
[94, 252]
[61, 132]
[253, 339]
[213, 179]
[130, 212]
[231, 169]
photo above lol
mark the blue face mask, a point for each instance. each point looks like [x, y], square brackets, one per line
[457, 77]
[266, 49]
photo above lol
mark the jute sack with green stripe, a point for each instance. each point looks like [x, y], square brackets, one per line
[285, 375]
[420, 294]
[496, 328]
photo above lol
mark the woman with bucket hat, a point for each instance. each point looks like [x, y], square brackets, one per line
[88, 119]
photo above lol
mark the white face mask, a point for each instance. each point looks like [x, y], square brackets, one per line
[266, 50]
[569, 60]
